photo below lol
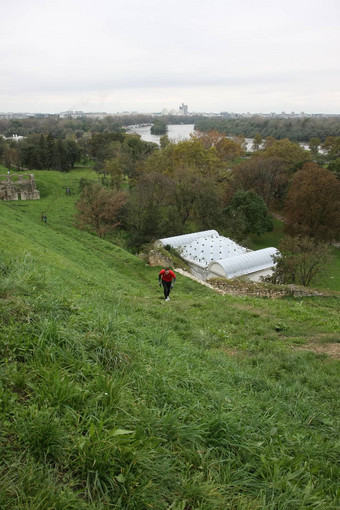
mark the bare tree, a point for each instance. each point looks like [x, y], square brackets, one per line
[300, 260]
[268, 177]
[98, 209]
[312, 206]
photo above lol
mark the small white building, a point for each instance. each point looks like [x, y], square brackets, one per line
[15, 138]
[210, 255]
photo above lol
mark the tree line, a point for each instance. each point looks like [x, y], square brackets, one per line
[296, 129]
[39, 152]
[75, 128]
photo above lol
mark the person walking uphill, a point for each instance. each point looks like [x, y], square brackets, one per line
[166, 278]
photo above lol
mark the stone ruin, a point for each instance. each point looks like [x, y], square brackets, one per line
[15, 187]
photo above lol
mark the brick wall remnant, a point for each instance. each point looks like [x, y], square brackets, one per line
[15, 187]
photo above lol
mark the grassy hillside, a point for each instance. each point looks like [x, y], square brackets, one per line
[112, 398]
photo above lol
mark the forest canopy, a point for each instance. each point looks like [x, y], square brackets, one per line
[296, 129]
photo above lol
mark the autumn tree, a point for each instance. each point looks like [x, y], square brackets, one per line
[150, 212]
[257, 142]
[290, 152]
[314, 144]
[113, 170]
[161, 161]
[300, 260]
[134, 152]
[334, 166]
[268, 177]
[268, 142]
[194, 196]
[103, 147]
[164, 141]
[331, 147]
[161, 205]
[98, 208]
[187, 182]
[207, 138]
[128, 151]
[186, 154]
[312, 206]
[208, 207]
[228, 150]
[192, 153]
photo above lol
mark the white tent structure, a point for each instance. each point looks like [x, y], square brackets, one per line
[254, 263]
[211, 255]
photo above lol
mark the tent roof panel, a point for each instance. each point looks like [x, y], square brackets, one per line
[186, 239]
[246, 263]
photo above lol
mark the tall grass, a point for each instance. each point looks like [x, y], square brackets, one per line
[110, 398]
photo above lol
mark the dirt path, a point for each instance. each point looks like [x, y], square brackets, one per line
[189, 275]
[332, 349]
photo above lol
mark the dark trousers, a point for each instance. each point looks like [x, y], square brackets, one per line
[166, 288]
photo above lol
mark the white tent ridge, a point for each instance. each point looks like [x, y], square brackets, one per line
[186, 239]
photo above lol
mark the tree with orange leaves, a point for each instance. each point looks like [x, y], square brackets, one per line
[98, 209]
[227, 149]
[207, 138]
[312, 206]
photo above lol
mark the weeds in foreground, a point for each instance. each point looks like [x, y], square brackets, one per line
[108, 399]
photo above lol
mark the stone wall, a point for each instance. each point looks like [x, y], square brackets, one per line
[157, 258]
[15, 187]
[240, 287]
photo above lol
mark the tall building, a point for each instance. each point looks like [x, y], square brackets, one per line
[183, 109]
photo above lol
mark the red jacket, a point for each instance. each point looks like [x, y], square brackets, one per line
[167, 277]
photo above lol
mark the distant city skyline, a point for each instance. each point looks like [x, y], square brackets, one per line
[164, 112]
[257, 57]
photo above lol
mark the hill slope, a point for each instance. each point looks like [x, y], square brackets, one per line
[112, 398]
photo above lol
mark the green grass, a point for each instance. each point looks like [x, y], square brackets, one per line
[112, 398]
[268, 239]
[331, 280]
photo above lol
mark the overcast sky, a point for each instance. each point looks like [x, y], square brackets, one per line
[146, 55]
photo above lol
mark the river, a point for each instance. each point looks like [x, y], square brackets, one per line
[179, 132]
[176, 132]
